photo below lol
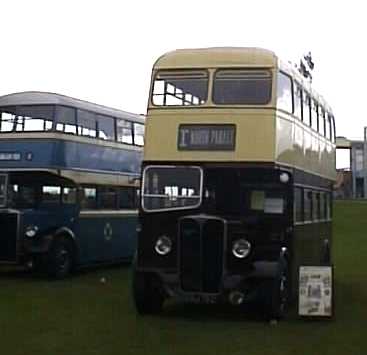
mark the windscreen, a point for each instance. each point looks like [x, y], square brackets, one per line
[171, 188]
[180, 88]
[26, 118]
[3, 180]
[242, 87]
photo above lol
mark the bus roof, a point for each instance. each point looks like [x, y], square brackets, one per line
[216, 57]
[48, 98]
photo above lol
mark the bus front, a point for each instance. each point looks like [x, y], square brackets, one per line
[215, 208]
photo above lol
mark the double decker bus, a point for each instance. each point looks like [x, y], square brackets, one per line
[237, 177]
[69, 176]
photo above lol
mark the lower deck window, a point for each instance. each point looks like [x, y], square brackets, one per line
[171, 187]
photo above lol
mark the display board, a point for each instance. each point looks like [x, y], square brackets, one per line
[316, 291]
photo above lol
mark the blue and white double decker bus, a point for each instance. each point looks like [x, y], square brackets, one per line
[69, 178]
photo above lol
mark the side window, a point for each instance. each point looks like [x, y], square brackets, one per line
[298, 101]
[298, 204]
[307, 205]
[124, 131]
[138, 134]
[314, 115]
[322, 206]
[328, 206]
[69, 195]
[284, 93]
[306, 109]
[106, 127]
[87, 123]
[66, 119]
[328, 127]
[316, 205]
[332, 124]
[321, 121]
[127, 198]
[107, 198]
[51, 194]
[88, 198]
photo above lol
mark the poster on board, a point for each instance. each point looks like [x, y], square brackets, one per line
[315, 291]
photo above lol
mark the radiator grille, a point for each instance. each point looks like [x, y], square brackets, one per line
[201, 254]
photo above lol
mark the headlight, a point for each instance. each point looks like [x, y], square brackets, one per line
[241, 248]
[163, 245]
[31, 231]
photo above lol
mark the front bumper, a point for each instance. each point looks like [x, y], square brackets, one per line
[251, 284]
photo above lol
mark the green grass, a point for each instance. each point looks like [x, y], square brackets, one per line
[83, 316]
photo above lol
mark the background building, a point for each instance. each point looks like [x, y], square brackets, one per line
[352, 182]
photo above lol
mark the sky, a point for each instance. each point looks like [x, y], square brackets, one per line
[103, 51]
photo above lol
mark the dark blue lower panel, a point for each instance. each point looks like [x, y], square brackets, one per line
[106, 238]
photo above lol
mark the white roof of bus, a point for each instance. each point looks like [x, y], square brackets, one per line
[48, 98]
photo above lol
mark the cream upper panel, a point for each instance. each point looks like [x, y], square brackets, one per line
[255, 134]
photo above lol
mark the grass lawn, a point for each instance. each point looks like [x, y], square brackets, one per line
[81, 315]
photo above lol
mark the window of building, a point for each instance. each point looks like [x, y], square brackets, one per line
[138, 134]
[88, 199]
[298, 100]
[106, 127]
[284, 92]
[87, 123]
[124, 131]
[359, 159]
[66, 119]
[298, 204]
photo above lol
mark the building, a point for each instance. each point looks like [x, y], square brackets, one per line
[352, 182]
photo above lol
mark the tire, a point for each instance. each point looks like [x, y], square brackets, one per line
[279, 293]
[147, 293]
[60, 259]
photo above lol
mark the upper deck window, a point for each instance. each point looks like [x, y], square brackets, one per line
[26, 118]
[66, 119]
[242, 87]
[284, 92]
[183, 88]
[87, 123]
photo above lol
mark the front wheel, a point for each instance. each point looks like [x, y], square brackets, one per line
[147, 293]
[60, 258]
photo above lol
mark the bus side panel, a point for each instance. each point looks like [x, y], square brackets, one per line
[305, 249]
[104, 238]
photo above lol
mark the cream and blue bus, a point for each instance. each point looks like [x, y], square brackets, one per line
[237, 176]
[69, 179]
